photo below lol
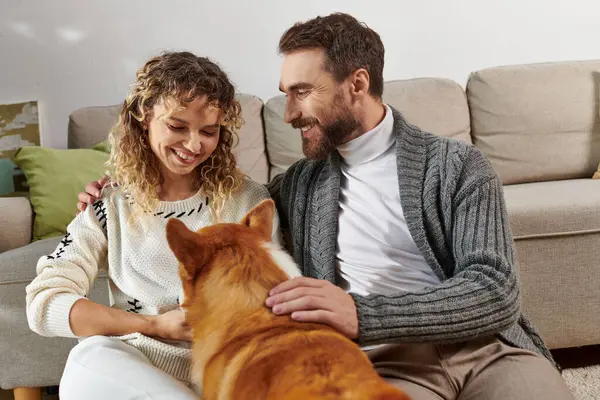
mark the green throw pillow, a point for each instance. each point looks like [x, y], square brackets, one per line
[103, 146]
[55, 177]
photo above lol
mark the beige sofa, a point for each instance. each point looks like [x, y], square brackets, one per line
[538, 124]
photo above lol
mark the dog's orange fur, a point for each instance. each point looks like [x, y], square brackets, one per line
[241, 350]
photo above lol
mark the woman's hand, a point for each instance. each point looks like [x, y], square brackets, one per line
[171, 325]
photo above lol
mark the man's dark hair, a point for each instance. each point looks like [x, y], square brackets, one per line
[348, 45]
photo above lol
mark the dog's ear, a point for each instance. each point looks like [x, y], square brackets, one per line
[260, 218]
[188, 247]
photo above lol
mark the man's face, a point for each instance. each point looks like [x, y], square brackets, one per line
[316, 103]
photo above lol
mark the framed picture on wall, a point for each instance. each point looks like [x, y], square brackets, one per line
[19, 126]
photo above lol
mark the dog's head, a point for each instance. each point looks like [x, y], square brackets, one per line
[225, 260]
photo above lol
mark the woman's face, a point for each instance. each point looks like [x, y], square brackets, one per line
[183, 139]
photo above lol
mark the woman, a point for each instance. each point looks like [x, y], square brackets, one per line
[171, 158]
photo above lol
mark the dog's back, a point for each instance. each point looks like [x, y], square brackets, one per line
[242, 350]
[311, 362]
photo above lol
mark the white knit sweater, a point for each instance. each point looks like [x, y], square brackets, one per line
[142, 270]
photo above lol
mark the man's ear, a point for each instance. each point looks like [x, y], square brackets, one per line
[187, 246]
[361, 82]
[260, 218]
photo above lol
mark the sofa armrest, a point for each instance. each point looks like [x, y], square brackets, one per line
[26, 358]
[16, 217]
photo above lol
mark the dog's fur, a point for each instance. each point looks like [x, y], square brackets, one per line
[241, 350]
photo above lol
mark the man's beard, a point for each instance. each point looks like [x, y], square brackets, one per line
[334, 130]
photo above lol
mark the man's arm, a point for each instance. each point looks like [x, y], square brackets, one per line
[481, 298]
[274, 188]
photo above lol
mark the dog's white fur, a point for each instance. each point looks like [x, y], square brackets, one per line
[283, 260]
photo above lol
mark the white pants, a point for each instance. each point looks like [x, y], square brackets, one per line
[103, 368]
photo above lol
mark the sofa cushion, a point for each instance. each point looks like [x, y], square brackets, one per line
[438, 106]
[90, 126]
[537, 122]
[546, 209]
[55, 177]
[435, 105]
[284, 144]
[19, 264]
[250, 152]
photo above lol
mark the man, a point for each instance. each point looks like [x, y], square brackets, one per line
[403, 235]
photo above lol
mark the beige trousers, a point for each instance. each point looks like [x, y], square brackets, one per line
[481, 369]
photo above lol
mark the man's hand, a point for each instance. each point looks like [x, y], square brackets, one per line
[314, 300]
[91, 194]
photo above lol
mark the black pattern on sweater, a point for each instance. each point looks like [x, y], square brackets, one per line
[65, 242]
[135, 306]
[181, 213]
[100, 210]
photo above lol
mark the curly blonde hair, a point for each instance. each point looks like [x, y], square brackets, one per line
[174, 78]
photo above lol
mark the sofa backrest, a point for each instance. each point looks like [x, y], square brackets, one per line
[90, 125]
[435, 105]
[537, 122]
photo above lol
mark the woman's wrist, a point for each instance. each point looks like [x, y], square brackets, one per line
[150, 327]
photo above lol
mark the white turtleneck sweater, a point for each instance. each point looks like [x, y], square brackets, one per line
[142, 270]
[376, 252]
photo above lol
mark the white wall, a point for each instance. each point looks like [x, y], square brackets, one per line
[71, 53]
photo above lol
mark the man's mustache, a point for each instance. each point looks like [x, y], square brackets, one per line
[302, 122]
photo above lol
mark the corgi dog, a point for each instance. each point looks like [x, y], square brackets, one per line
[241, 350]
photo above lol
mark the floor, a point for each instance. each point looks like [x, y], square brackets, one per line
[567, 358]
[7, 395]
[577, 357]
